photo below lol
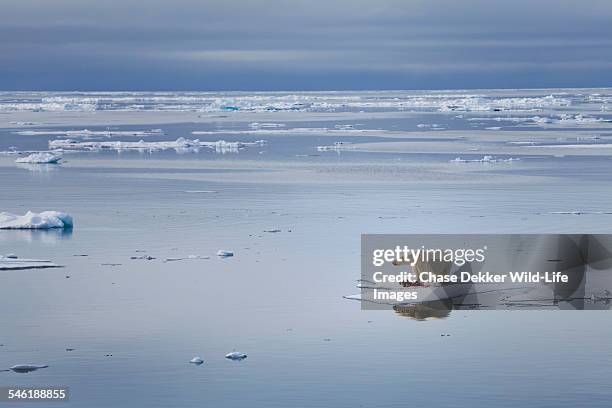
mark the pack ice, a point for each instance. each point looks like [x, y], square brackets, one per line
[32, 220]
[180, 143]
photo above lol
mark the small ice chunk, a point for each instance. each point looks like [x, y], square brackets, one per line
[40, 158]
[196, 360]
[336, 146]
[235, 355]
[224, 253]
[26, 368]
[31, 220]
[256, 125]
[485, 159]
[145, 257]
[12, 263]
[178, 258]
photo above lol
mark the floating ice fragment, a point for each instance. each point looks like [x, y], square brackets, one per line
[179, 144]
[145, 257]
[235, 355]
[580, 212]
[256, 125]
[485, 159]
[31, 220]
[86, 133]
[196, 360]
[336, 146]
[40, 158]
[12, 263]
[272, 231]
[172, 259]
[26, 368]
[24, 123]
[224, 254]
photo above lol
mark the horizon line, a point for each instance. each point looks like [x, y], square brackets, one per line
[308, 91]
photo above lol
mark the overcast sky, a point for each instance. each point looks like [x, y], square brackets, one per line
[303, 45]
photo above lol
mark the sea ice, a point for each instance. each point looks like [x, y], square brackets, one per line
[12, 263]
[172, 259]
[485, 159]
[40, 158]
[336, 146]
[178, 144]
[196, 360]
[256, 125]
[86, 133]
[26, 368]
[31, 220]
[235, 355]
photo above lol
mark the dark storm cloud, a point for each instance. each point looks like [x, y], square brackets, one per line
[185, 44]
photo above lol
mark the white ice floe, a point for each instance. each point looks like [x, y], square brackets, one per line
[336, 146]
[485, 159]
[284, 102]
[580, 212]
[26, 368]
[40, 158]
[235, 355]
[224, 253]
[196, 360]
[31, 220]
[20, 123]
[256, 125]
[433, 126]
[172, 259]
[86, 133]
[178, 144]
[524, 142]
[12, 151]
[576, 146]
[563, 119]
[11, 263]
[337, 129]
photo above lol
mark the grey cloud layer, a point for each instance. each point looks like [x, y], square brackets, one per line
[70, 44]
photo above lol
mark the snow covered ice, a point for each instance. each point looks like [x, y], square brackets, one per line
[485, 159]
[31, 220]
[235, 355]
[180, 143]
[40, 158]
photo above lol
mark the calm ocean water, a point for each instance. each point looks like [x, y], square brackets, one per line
[134, 324]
